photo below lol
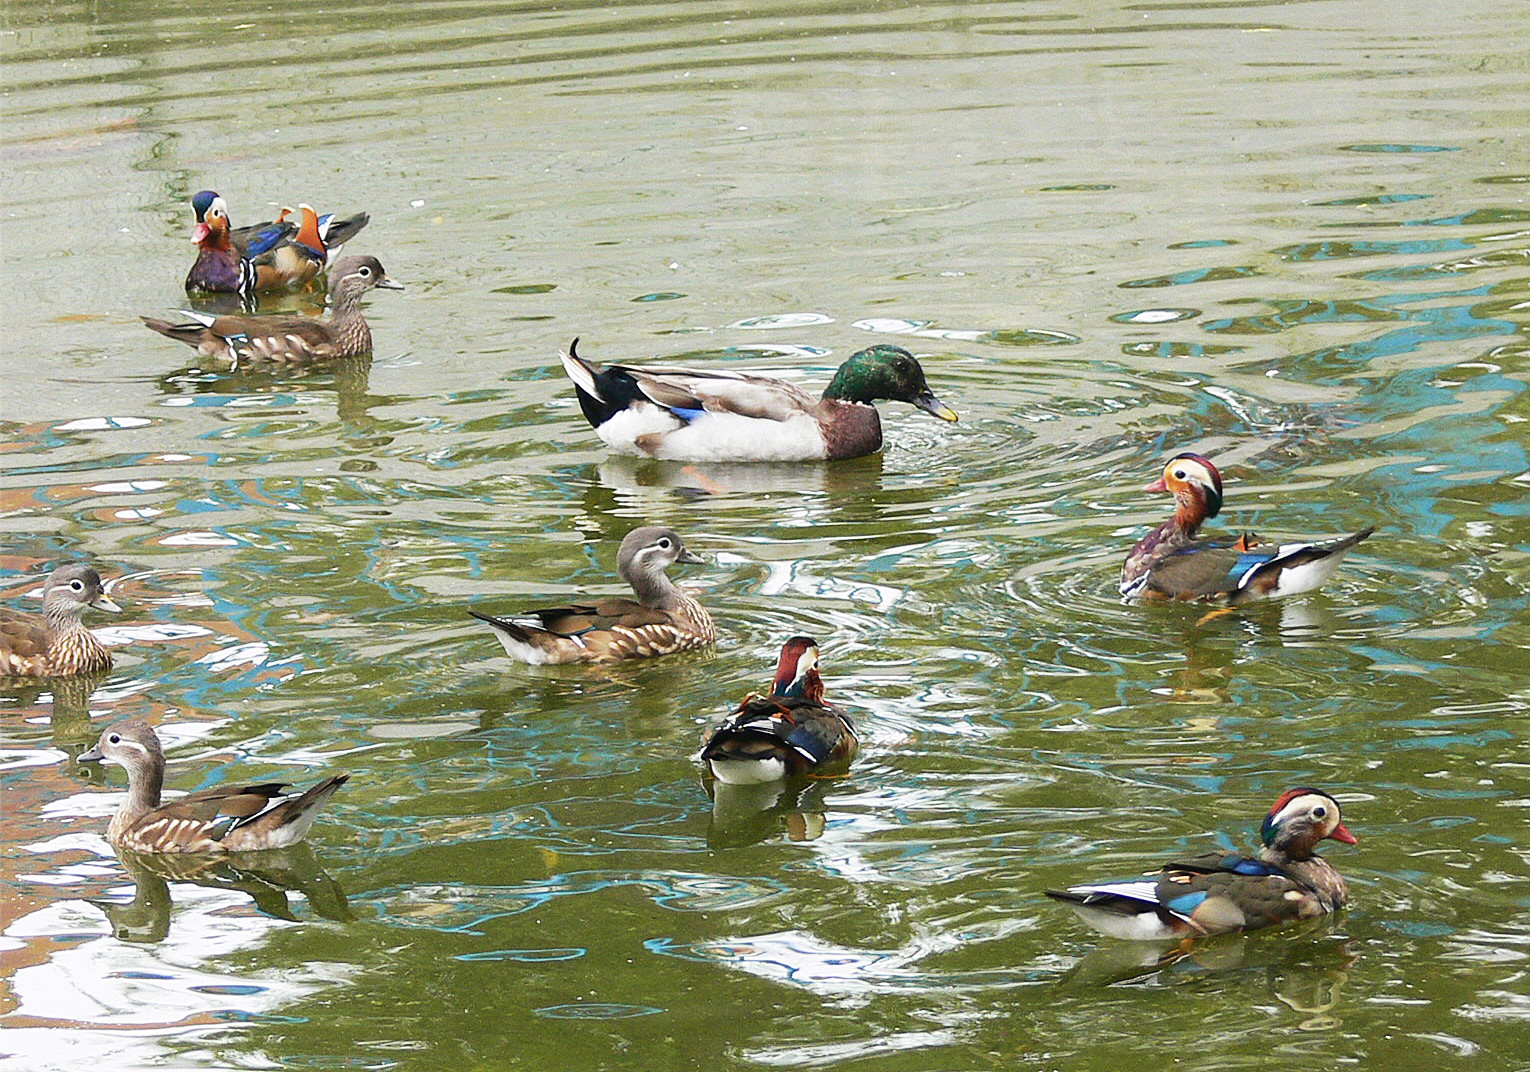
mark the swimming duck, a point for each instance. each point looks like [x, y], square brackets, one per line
[663, 620]
[1218, 893]
[1170, 563]
[56, 643]
[278, 255]
[227, 819]
[292, 340]
[694, 415]
[792, 732]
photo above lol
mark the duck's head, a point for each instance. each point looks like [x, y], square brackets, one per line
[72, 588]
[132, 744]
[650, 550]
[889, 372]
[1300, 819]
[211, 227]
[797, 670]
[1195, 484]
[352, 277]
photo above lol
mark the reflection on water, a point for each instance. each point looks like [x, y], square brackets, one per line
[1109, 236]
[266, 877]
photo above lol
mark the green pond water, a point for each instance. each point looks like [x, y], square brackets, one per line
[1292, 236]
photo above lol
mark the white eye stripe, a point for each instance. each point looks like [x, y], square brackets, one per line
[1307, 804]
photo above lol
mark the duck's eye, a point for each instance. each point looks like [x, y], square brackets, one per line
[114, 739]
[1320, 812]
[364, 271]
[77, 586]
[1179, 474]
[665, 543]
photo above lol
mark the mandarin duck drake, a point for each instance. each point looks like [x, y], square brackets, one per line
[1218, 893]
[1170, 563]
[227, 819]
[686, 414]
[56, 643]
[664, 619]
[278, 255]
[289, 340]
[791, 733]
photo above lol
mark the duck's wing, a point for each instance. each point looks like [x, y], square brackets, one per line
[804, 734]
[258, 238]
[232, 817]
[1199, 571]
[24, 641]
[605, 614]
[690, 392]
[1208, 894]
[1248, 568]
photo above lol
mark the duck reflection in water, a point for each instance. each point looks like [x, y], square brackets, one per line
[267, 877]
[821, 491]
[1213, 649]
[749, 814]
[1304, 967]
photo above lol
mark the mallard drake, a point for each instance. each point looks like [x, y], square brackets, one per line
[292, 340]
[1220, 892]
[227, 819]
[1170, 563]
[692, 415]
[663, 620]
[56, 643]
[791, 733]
[278, 255]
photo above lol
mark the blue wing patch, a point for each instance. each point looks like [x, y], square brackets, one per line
[809, 744]
[1186, 903]
[1242, 865]
[686, 415]
[264, 240]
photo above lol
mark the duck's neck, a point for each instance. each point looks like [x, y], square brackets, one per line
[850, 429]
[1189, 515]
[144, 787]
[63, 618]
[656, 590]
[348, 326]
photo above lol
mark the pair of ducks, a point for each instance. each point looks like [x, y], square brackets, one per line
[275, 256]
[1170, 562]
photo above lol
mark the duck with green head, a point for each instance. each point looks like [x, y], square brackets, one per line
[687, 414]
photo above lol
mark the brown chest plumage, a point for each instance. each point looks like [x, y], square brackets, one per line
[850, 429]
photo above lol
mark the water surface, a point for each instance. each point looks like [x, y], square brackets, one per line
[1290, 236]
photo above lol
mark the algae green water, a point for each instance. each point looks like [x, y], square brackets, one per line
[1291, 236]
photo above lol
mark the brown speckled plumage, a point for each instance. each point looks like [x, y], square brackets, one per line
[290, 340]
[662, 621]
[227, 819]
[56, 643]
